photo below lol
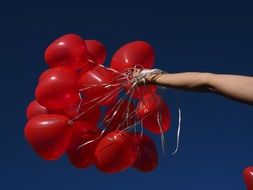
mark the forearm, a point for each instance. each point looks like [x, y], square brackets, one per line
[236, 87]
[191, 81]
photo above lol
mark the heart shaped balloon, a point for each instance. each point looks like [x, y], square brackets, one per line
[83, 132]
[58, 89]
[147, 105]
[34, 109]
[68, 50]
[97, 51]
[159, 120]
[136, 53]
[49, 135]
[98, 85]
[248, 177]
[147, 155]
[115, 152]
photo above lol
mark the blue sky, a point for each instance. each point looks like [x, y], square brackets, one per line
[188, 35]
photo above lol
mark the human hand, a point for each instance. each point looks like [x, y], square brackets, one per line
[147, 76]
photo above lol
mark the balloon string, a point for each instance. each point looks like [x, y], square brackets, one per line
[126, 114]
[120, 101]
[91, 141]
[107, 95]
[108, 84]
[159, 121]
[128, 77]
[178, 130]
[118, 104]
[80, 103]
[131, 115]
[81, 114]
[114, 113]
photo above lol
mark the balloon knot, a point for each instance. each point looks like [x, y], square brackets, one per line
[70, 122]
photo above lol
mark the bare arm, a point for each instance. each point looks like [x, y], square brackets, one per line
[236, 87]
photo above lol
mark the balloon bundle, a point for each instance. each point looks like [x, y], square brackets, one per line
[93, 113]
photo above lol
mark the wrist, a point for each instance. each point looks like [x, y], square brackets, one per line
[151, 75]
[152, 79]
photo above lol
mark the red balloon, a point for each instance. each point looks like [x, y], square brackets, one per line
[147, 105]
[132, 54]
[99, 83]
[82, 157]
[49, 135]
[58, 89]
[116, 116]
[115, 152]
[151, 121]
[147, 156]
[97, 51]
[34, 109]
[248, 177]
[68, 50]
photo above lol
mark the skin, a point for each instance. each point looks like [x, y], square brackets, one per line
[236, 87]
